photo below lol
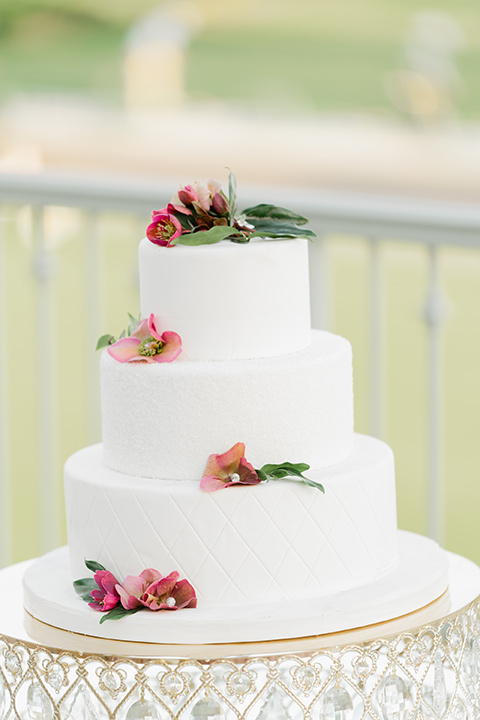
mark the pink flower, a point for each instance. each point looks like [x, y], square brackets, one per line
[133, 587]
[106, 597]
[163, 229]
[155, 592]
[169, 593]
[230, 468]
[147, 345]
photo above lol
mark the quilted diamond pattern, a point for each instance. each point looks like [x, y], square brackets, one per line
[276, 541]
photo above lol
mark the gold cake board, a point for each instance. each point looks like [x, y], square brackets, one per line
[51, 636]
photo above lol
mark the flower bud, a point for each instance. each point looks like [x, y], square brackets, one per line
[220, 203]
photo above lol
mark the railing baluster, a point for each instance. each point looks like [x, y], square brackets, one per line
[376, 346]
[93, 324]
[49, 501]
[6, 510]
[319, 284]
[436, 312]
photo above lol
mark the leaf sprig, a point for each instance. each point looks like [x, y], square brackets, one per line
[107, 340]
[283, 470]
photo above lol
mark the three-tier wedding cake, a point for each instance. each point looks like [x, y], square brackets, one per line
[253, 398]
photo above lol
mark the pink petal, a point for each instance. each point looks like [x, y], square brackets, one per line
[129, 602]
[95, 606]
[184, 595]
[105, 580]
[152, 327]
[171, 349]
[142, 331]
[110, 602]
[230, 460]
[210, 483]
[133, 585]
[213, 468]
[124, 349]
[150, 576]
[247, 472]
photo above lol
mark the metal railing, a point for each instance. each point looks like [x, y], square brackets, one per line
[371, 218]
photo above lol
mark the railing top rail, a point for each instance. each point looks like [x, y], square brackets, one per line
[371, 215]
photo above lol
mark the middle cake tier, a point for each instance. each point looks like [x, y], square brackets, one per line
[273, 542]
[164, 420]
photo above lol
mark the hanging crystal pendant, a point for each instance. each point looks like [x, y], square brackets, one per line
[39, 706]
[440, 699]
[393, 698]
[274, 707]
[207, 709]
[3, 698]
[142, 710]
[337, 704]
[82, 706]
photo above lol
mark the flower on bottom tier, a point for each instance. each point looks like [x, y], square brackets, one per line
[146, 344]
[148, 591]
[106, 597]
[229, 468]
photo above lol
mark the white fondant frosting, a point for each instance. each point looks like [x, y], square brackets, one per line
[418, 579]
[277, 541]
[165, 420]
[229, 301]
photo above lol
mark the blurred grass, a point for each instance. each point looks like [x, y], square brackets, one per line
[295, 56]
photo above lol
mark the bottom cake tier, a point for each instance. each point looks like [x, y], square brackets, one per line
[419, 578]
[280, 541]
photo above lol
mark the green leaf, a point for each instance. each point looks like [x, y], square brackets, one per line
[118, 612]
[232, 196]
[274, 229]
[206, 237]
[314, 484]
[274, 211]
[132, 325]
[105, 341]
[294, 469]
[282, 470]
[93, 565]
[185, 220]
[84, 587]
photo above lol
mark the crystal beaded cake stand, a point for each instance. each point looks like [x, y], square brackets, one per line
[414, 668]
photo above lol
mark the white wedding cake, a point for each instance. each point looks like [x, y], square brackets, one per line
[251, 371]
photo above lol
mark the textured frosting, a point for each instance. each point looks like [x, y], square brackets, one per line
[275, 541]
[165, 420]
[229, 301]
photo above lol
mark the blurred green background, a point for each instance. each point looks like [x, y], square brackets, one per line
[302, 55]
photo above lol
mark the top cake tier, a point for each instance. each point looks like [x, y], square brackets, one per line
[229, 301]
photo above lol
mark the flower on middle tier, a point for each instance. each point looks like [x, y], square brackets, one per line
[146, 344]
[228, 468]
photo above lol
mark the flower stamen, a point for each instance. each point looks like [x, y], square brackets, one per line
[150, 347]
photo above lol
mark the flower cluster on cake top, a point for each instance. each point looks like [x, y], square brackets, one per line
[232, 468]
[150, 590]
[204, 215]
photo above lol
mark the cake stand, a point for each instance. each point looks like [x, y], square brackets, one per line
[425, 665]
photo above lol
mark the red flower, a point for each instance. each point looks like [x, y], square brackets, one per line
[106, 597]
[163, 229]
